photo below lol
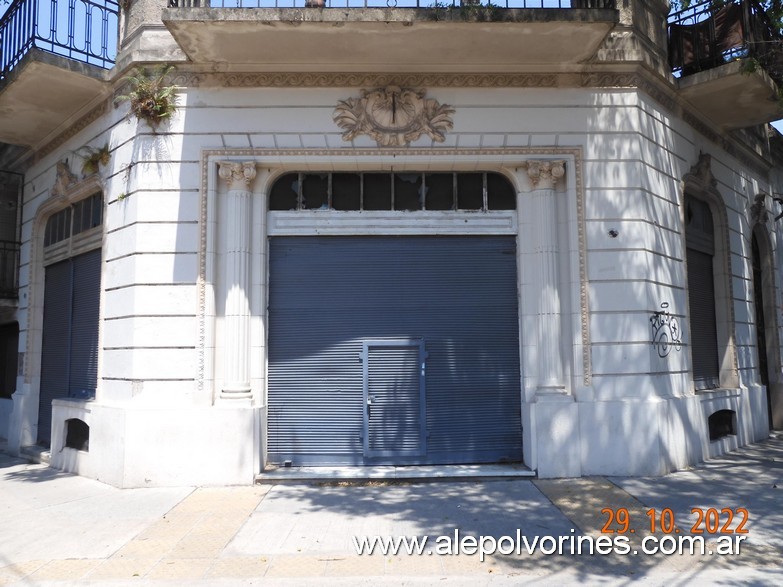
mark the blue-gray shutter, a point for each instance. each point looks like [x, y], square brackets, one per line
[84, 327]
[55, 349]
[704, 331]
[329, 295]
[700, 252]
[69, 352]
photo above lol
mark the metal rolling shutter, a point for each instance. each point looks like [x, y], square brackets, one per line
[704, 334]
[69, 354]
[84, 329]
[55, 349]
[329, 295]
[700, 252]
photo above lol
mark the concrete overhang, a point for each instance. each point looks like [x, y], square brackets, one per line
[44, 92]
[732, 97]
[388, 40]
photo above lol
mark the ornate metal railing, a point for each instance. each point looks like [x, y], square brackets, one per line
[432, 4]
[82, 30]
[9, 269]
[712, 33]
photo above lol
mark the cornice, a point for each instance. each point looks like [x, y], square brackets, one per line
[351, 79]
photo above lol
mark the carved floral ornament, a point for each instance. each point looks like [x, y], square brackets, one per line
[237, 175]
[544, 174]
[393, 116]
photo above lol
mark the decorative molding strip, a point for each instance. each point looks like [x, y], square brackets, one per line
[342, 80]
[584, 301]
[72, 130]
[313, 222]
[610, 80]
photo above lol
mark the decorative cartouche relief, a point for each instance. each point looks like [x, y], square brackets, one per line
[65, 180]
[393, 116]
[544, 174]
[237, 175]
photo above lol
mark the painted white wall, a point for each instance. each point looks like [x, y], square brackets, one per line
[634, 156]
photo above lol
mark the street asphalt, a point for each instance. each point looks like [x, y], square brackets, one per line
[61, 529]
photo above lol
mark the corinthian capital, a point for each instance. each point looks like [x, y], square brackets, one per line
[544, 174]
[237, 175]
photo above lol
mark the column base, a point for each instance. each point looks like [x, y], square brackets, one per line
[236, 393]
[553, 391]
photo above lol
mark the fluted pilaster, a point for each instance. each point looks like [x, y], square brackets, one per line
[236, 273]
[543, 176]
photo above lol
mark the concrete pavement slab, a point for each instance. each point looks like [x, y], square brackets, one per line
[48, 515]
[301, 534]
[750, 478]
[305, 518]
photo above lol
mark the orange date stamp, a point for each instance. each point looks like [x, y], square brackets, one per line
[709, 520]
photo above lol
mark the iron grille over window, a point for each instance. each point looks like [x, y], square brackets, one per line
[405, 191]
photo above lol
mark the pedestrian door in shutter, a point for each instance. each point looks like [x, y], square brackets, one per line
[395, 405]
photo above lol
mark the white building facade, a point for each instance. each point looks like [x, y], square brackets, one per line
[559, 261]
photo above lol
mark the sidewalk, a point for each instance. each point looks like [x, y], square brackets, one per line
[61, 529]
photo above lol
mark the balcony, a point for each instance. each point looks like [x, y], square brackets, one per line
[398, 35]
[53, 54]
[729, 60]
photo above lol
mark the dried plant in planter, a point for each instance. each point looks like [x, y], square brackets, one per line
[150, 100]
[93, 158]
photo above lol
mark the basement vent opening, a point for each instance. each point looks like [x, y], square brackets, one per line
[721, 424]
[77, 434]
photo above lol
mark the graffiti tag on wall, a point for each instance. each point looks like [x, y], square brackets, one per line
[666, 333]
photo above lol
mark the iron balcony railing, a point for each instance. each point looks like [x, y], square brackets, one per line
[81, 30]
[9, 269]
[712, 33]
[431, 4]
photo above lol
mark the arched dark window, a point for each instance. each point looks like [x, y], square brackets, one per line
[700, 253]
[407, 191]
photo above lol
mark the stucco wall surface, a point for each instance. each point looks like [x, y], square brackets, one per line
[633, 157]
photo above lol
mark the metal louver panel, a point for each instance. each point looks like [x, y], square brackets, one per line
[69, 353]
[330, 295]
[84, 329]
[55, 349]
[704, 334]
[394, 396]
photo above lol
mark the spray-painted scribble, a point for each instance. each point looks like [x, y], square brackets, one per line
[666, 333]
